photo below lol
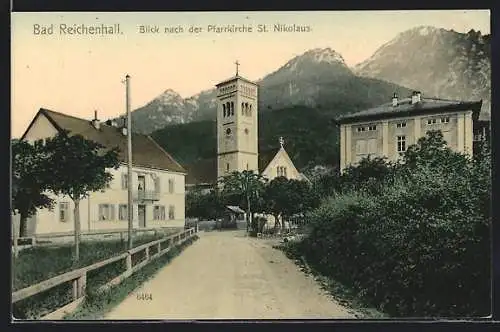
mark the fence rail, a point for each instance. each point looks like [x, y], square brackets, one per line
[79, 276]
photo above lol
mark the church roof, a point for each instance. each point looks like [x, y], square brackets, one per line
[405, 109]
[235, 78]
[145, 151]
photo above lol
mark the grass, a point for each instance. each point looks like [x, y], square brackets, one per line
[40, 263]
[344, 295]
[97, 304]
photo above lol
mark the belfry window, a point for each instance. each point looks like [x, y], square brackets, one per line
[232, 108]
[224, 109]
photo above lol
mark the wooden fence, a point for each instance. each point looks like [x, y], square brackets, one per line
[79, 276]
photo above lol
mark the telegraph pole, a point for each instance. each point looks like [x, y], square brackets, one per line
[129, 164]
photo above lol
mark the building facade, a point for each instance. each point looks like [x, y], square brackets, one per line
[388, 130]
[157, 181]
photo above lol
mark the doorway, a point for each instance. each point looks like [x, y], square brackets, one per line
[142, 216]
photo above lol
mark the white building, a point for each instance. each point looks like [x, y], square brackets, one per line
[158, 181]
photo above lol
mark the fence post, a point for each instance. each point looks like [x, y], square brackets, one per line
[82, 284]
[16, 228]
[128, 261]
[159, 248]
[147, 253]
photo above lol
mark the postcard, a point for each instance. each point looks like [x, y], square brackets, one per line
[251, 165]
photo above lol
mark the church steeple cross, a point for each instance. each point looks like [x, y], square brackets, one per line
[282, 141]
[237, 66]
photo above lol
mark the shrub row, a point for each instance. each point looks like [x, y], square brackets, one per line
[418, 247]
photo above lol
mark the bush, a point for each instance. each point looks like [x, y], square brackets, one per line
[417, 247]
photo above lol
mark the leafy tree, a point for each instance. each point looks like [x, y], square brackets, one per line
[204, 205]
[286, 197]
[80, 169]
[244, 188]
[31, 177]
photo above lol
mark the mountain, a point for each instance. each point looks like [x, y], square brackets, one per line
[439, 62]
[318, 78]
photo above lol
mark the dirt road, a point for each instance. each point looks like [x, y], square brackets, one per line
[225, 275]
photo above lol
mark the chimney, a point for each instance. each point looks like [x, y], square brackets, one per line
[96, 123]
[414, 97]
[419, 96]
[394, 100]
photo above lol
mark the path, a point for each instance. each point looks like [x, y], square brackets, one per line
[225, 275]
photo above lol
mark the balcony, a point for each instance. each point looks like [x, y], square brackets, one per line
[146, 195]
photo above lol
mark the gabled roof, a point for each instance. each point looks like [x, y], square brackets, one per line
[235, 209]
[406, 108]
[145, 151]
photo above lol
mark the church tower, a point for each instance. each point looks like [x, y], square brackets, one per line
[237, 135]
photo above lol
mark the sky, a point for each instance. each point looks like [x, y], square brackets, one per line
[78, 74]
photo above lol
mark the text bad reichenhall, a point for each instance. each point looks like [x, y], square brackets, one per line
[76, 29]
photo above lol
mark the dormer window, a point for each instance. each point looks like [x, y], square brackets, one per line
[431, 121]
[372, 128]
[445, 120]
[401, 125]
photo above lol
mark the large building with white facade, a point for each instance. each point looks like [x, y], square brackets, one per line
[388, 130]
[158, 181]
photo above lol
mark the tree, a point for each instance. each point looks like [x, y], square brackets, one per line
[243, 187]
[79, 169]
[31, 177]
[204, 205]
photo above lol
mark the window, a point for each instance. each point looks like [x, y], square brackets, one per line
[445, 120]
[401, 143]
[63, 211]
[123, 212]
[227, 167]
[124, 181]
[284, 171]
[232, 108]
[171, 186]
[171, 212]
[372, 128]
[431, 121]
[371, 146]
[247, 166]
[281, 171]
[361, 129]
[401, 125]
[106, 212]
[159, 212]
[157, 184]
[360, 146]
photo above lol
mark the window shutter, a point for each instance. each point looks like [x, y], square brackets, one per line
[124, 180]
[157, 184]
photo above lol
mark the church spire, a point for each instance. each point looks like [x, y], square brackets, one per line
[282, 141]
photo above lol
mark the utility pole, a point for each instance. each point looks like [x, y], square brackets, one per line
[129, 164]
